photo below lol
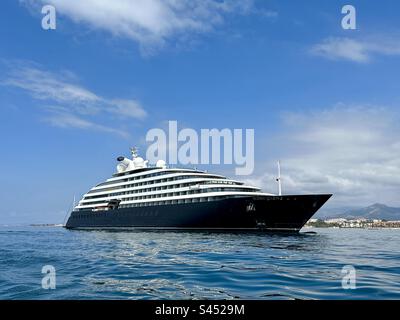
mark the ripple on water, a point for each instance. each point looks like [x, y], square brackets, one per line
[184, 265]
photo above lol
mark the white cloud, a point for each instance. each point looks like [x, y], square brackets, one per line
[361, 51]
[353, 152]
[127, 108]
[73, 100]
[149, 22]
[45, 85]
[67, 120]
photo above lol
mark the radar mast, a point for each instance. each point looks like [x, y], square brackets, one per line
[134, 152]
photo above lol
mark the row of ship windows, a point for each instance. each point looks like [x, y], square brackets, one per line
[154, 182]
[179, 201]
[134, 178]
[159, 203]
[181, 193]
[145, 176]
[174, 186]
[120, 214]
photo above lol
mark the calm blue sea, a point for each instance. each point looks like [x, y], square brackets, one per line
[177, 265]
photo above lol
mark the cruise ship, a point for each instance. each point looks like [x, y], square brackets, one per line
[140, 196]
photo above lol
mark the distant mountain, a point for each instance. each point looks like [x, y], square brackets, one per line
[375, 211]
[325, 213]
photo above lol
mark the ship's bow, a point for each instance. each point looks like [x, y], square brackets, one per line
[285, 213]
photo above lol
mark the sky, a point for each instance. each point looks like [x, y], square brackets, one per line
[321, 99]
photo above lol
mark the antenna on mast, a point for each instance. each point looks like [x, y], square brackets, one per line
[279, 179]
[134, 152]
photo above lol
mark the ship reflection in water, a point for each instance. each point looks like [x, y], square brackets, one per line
[196, 265]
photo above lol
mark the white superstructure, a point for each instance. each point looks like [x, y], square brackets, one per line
[136, 184]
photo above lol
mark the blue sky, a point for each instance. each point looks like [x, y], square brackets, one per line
[322, 99]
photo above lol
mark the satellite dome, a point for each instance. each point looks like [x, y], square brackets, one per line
[161, 164]
[121, 168]
[139, 162]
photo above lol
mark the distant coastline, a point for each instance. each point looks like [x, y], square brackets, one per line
[353, 223]
[46, 225]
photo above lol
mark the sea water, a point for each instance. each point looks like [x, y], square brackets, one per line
[199, 265]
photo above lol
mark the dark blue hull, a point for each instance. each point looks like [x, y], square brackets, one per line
[270, 213]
